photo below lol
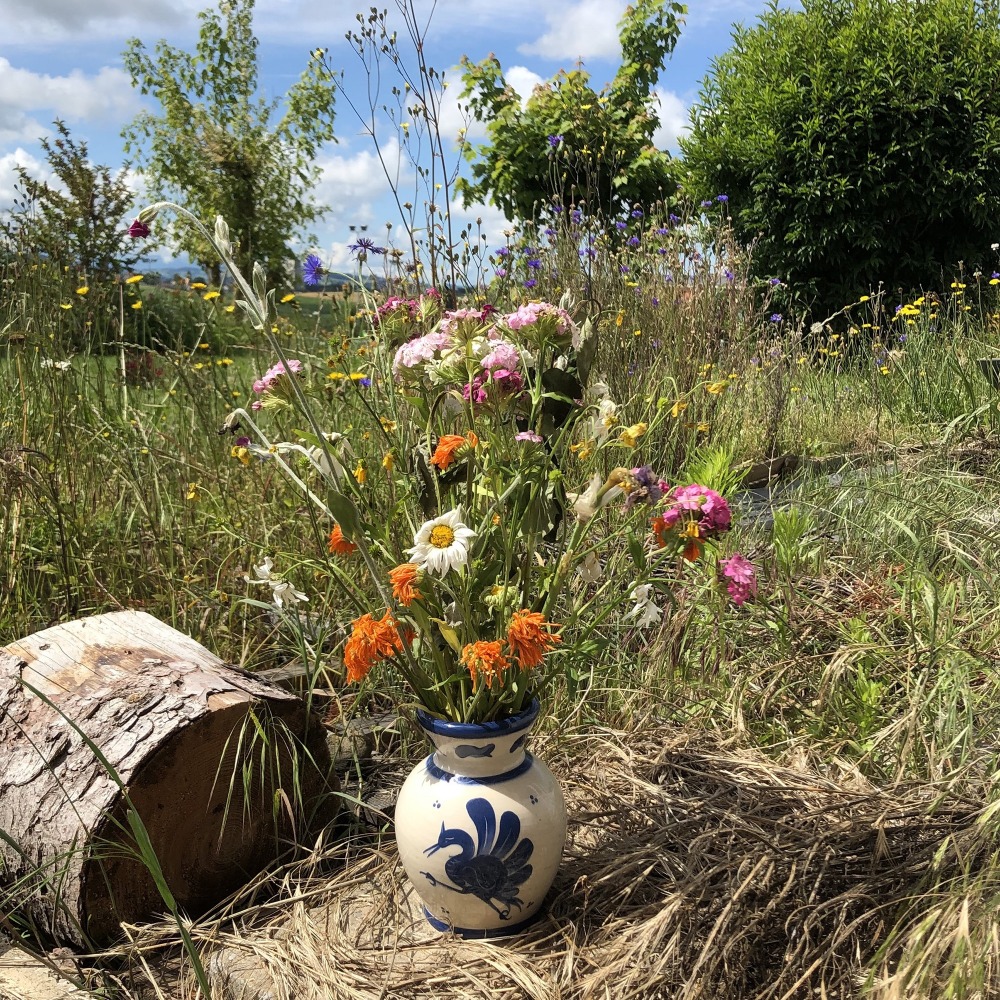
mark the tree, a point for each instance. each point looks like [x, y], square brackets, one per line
[857, 140]
[80, 222]
[570, 141]
[214, 149]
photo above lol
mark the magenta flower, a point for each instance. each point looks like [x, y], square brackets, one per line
[740, 578]
[138, 230]
[528, 436]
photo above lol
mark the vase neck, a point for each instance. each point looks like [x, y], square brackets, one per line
[489, 750]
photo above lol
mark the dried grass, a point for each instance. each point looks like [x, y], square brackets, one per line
[693, 870]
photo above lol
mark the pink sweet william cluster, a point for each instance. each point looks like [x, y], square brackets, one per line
[417, 352]
[550, 321]
[694, 513]
[269, 379]
[740, 578]
[500, 369]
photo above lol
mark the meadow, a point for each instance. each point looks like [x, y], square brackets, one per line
[801, 788]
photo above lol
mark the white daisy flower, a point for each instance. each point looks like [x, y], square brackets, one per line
[442, 544]
[282, 591]
[645, 610]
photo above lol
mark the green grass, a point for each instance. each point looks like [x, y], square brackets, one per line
[872, 643]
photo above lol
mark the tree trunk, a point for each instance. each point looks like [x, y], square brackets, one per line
[211, 758]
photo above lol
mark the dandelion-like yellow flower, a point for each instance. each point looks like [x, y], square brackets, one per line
[290, 297]
[83, 289]
[137, 304]
[630, 435]
[716, 388]
[133, 279]
[197, 285]
[65, 305]
[209, 296]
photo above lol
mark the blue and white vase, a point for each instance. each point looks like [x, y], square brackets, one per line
[481, 825]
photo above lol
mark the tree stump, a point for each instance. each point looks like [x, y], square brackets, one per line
[212, 759]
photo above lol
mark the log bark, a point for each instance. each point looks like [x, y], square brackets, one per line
[209, 756]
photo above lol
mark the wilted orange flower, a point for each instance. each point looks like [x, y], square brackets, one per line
[448, 446]
[371, 640]
[403, 579]
[338, 544]
[528, 639]
[485, 660]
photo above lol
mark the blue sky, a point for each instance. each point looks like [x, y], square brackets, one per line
[62, 58]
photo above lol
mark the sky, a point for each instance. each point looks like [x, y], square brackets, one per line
[63, 59]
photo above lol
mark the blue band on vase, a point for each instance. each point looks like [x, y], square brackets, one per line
[470, 730]
[485, 779]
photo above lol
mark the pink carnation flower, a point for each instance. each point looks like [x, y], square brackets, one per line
[740, 577]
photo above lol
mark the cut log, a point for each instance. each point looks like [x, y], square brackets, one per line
[211, 758]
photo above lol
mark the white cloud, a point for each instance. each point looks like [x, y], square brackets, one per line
[8, 174]
[587, 29]
[34, 22]
[75, 97]
[674, 121]
[523, 80]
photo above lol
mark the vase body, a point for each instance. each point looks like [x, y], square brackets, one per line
[480, 825]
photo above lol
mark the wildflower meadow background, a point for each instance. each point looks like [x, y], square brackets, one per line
[658, 455]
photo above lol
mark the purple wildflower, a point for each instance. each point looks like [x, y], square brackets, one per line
[138, 230]
[312, 269]
[366, 245]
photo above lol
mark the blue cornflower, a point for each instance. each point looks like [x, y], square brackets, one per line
[312, 269]
[902, 338]
[554, 140]
[535, 265]
[503, 252]
[636, 213]
[557, 209]
[365, 382]
[623, 268]
[633, 241]
[501, 272]
[621, 225]
[729, 274]
[530, 283]
[775, 317]
[550, 231]
[577, 215]
[673, 218]
[774, 282]
[722, 198]
[655, 301]
[366, 245]
[706, 204]
[662, 231]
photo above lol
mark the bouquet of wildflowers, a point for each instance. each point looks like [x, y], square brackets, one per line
[481, 516]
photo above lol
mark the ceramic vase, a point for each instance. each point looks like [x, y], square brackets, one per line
[481, 825]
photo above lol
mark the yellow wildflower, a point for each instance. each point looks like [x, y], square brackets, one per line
[630, 435]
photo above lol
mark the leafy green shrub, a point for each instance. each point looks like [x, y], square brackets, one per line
[858, 141]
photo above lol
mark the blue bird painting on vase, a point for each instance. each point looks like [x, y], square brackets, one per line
[494, 867]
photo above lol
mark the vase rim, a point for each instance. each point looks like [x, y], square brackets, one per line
[467, 730]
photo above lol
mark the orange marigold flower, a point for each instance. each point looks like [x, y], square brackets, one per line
[338, 544]
[403, 579]
[371, 640]
[528, 639]
[485, 660]
[448, 446]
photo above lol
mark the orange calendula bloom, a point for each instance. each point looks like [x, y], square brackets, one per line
[338, 544]
[448, 447]
[528, 639]
[371, 640]
[403, 579]
[485, 660]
